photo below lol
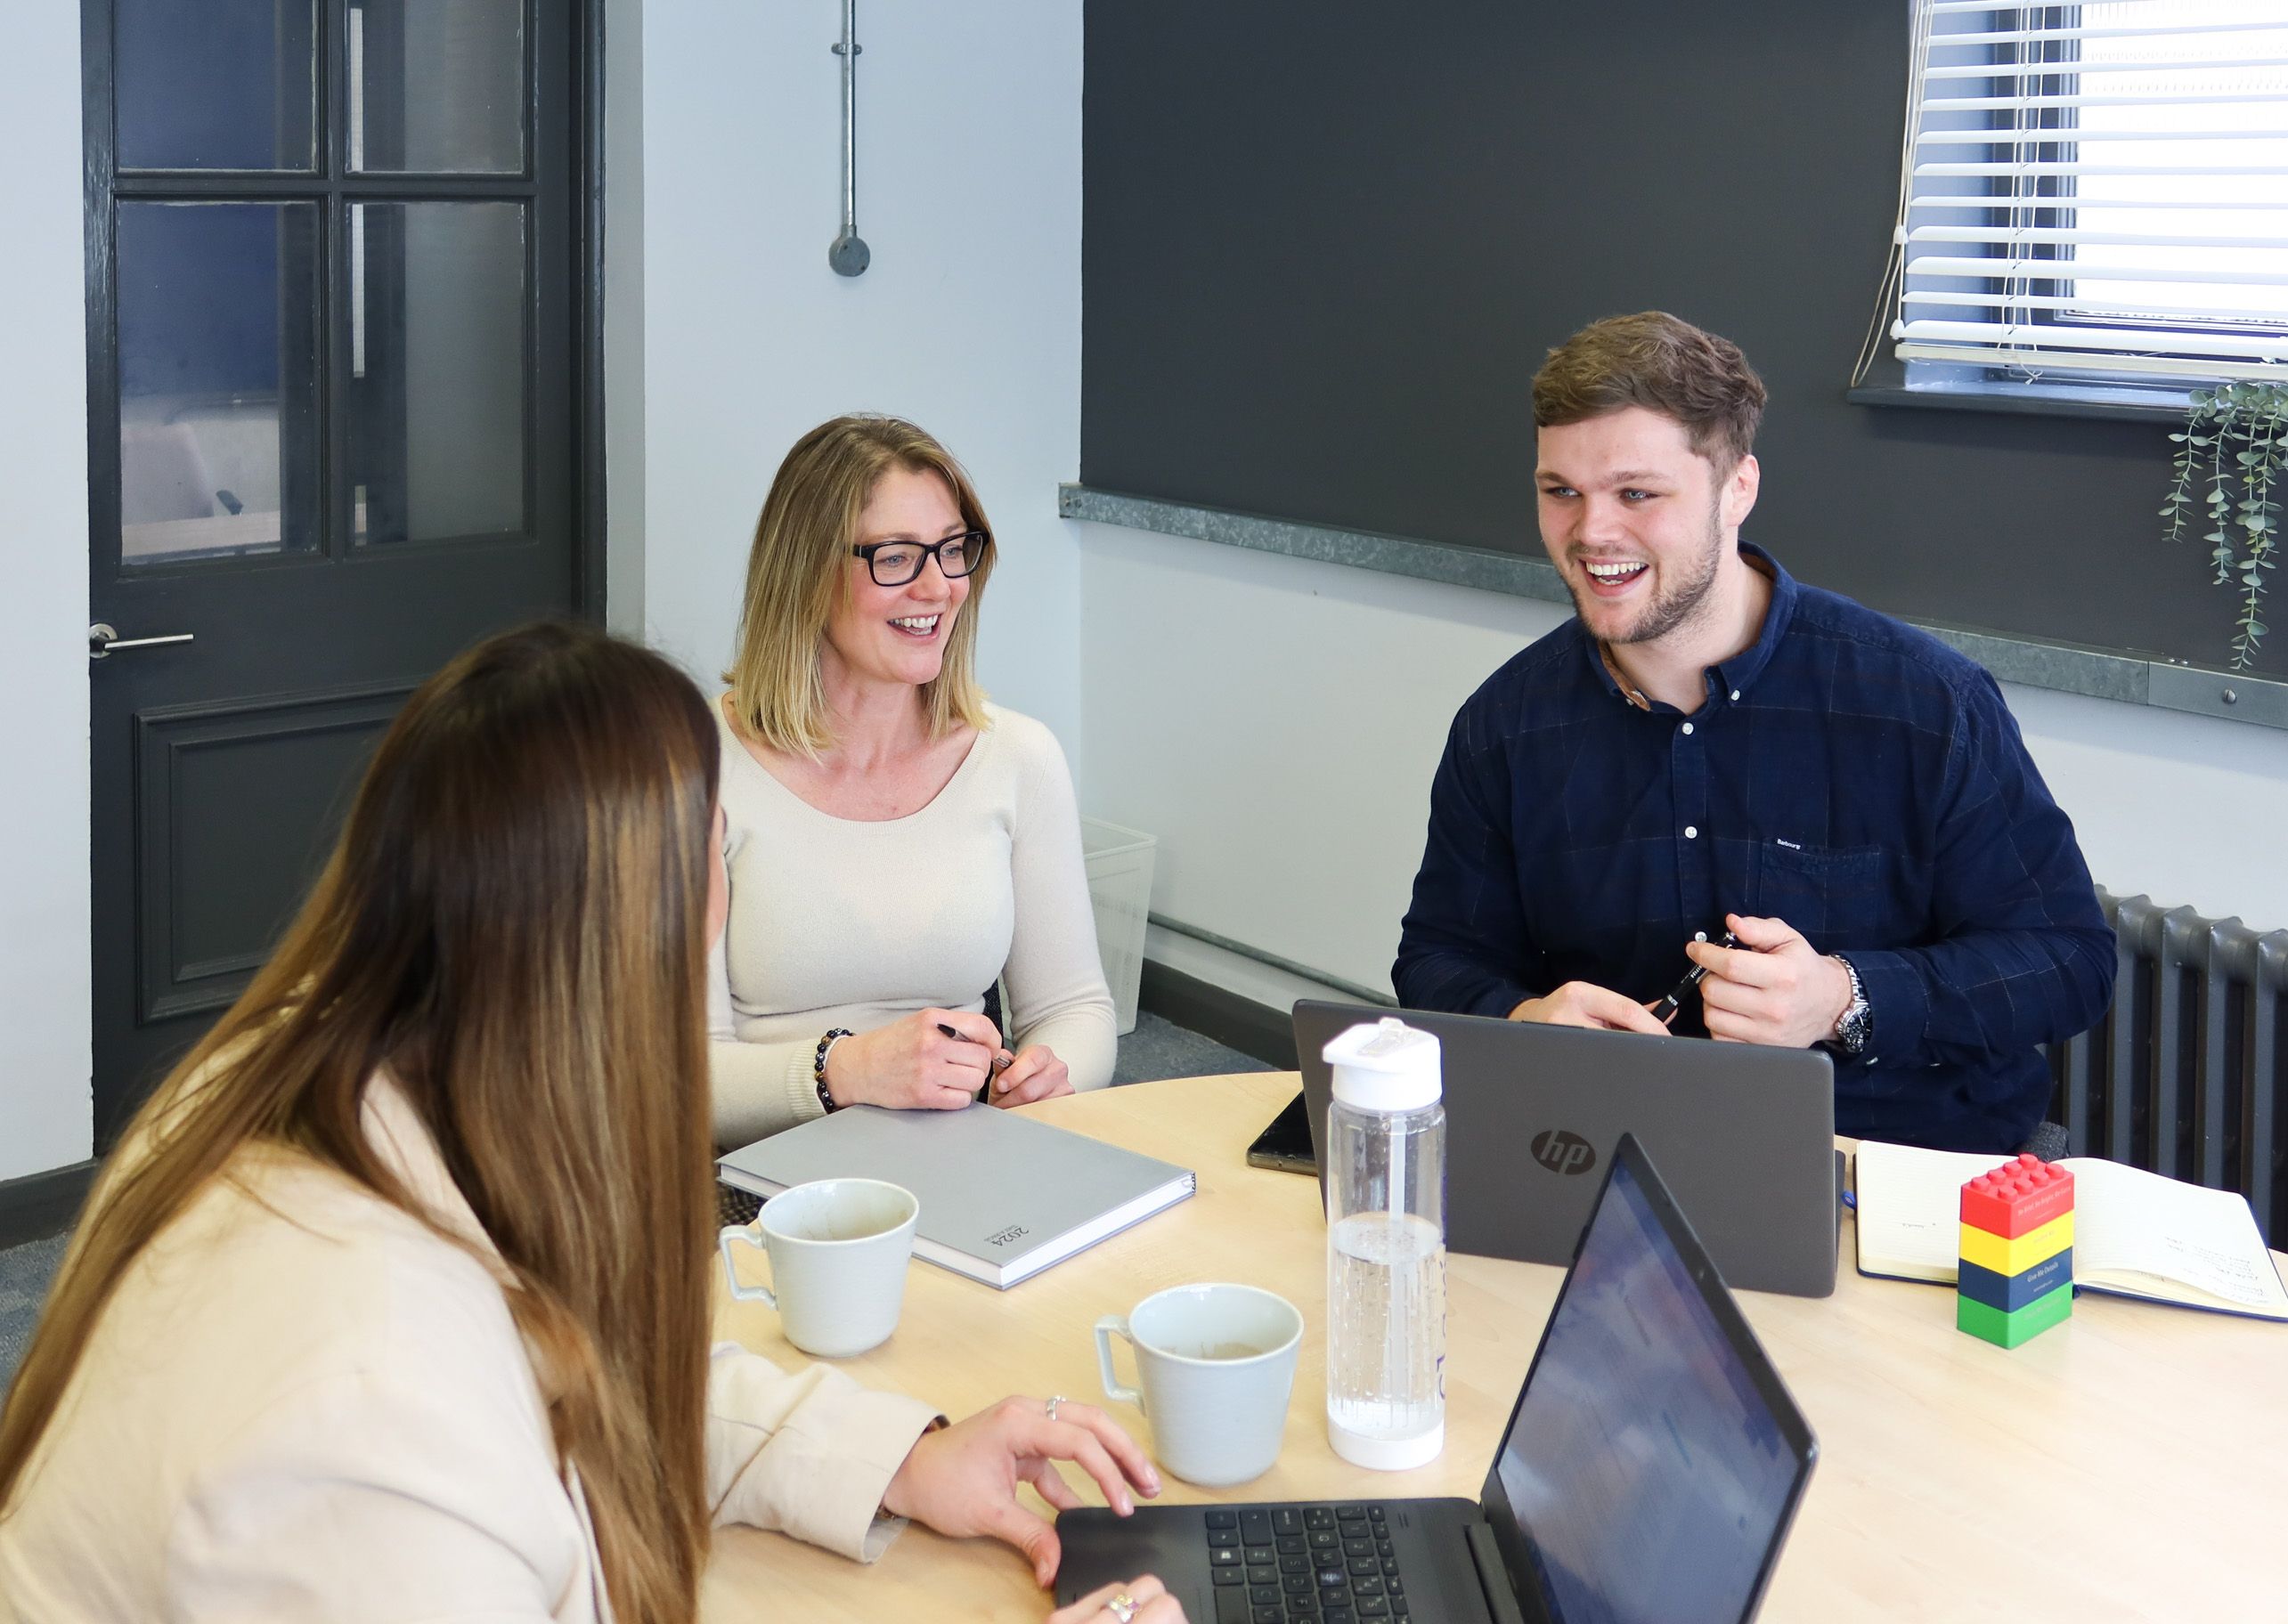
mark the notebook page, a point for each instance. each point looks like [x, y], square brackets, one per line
[2129, 1219]
[1910, 1207]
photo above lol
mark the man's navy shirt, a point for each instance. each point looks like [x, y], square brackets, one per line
[1847, 774]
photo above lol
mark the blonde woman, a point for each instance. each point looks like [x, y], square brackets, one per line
[895, 844]
[393, 1303]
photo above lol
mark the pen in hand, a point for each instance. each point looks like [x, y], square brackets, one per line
[999, 1062]
[1665, 1010]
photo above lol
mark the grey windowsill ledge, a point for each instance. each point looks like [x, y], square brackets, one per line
[2064, 667]
[2051, 403]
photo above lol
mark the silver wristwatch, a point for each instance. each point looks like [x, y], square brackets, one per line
[1852, 1026]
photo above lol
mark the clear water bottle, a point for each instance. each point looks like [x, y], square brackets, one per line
[1385, 1247]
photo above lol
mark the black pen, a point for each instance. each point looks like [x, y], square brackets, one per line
[995, 1064]
[1665, 1010]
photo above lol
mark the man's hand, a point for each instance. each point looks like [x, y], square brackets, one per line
[1583, 1003]
[1774, 988]
[962, 1481]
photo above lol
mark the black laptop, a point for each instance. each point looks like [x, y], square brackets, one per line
[1746, 1132]
[1649, 1473]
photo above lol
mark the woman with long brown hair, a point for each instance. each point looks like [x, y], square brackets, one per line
[392, 1303]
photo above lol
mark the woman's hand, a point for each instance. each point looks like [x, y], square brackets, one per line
[963, 1480]
[1147, 1596]
[911, 1066]
[1036, 1074]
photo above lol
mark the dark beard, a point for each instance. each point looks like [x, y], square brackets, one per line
[1676, 607]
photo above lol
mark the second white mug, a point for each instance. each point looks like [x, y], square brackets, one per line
[1216, 1367]
[838, 1251]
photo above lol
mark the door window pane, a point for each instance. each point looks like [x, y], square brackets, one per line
[437, 425]
[217, 358]
[437, 87]
[213, 83]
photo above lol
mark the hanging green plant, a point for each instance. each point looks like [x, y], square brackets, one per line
[2235, 441]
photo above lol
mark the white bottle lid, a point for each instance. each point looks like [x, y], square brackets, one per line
[1385, 1066]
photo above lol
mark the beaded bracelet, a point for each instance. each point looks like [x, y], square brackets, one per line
[818, 1065]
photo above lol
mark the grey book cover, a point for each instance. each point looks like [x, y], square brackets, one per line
[1002, 1197]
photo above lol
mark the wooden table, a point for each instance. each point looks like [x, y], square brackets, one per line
[2132, 1464]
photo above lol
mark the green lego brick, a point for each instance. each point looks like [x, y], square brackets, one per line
[2020, 1325]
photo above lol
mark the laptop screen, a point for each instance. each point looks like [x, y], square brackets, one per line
[1654, 1459]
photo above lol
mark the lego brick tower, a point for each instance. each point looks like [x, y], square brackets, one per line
[2018, 1252]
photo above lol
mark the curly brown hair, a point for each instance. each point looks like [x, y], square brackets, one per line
[1664, 364]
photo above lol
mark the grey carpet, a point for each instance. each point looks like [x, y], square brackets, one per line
[25, 1272]
[1160, 1049]
[1155, 1049]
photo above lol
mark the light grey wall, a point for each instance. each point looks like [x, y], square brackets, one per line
[45, 1117]
[1276, 722]
[968, 322]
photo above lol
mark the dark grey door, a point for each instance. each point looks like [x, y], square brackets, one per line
[336, 276]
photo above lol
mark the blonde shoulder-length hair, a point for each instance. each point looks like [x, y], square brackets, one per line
[798, 569]
[513, 928]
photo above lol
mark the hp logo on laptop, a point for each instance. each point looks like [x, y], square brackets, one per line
[1563, 1152]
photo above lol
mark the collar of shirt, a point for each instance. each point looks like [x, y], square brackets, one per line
[1731, 678]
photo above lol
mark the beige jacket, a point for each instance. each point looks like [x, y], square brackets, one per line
[302, 1405]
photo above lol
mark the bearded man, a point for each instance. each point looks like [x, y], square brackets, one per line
[1709, 746]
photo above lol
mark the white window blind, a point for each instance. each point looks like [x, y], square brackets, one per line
[2093, 192]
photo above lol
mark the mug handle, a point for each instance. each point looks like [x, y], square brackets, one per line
[1108, 1328]
[745, 1293]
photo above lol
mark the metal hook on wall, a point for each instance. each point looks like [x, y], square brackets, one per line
[848, 255]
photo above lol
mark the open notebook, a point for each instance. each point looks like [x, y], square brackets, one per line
[2136, 1234]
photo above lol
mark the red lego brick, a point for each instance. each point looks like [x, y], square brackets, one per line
[2018, 1197]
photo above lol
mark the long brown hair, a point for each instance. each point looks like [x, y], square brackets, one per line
[799, 567]
[513, 928]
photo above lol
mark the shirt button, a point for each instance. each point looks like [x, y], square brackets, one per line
[1688, 728]
[1736, 693]
[1690, 834]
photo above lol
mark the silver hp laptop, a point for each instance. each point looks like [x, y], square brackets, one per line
[1650, 1470]
[1746, 1135]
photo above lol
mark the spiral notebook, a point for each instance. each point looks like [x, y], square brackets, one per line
[1003, 1196]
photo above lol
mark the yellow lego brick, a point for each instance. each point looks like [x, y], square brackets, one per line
[2008, 1257]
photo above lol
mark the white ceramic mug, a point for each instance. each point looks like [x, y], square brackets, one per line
[838, 1251]
[1216, 1364]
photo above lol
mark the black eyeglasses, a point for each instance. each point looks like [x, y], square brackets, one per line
[893, 563]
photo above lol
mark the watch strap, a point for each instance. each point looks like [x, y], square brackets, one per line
[1852, 1025]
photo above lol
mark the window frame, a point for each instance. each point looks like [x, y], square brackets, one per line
[1885, 378]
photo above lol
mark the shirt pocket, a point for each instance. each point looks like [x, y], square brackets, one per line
[1837, 896]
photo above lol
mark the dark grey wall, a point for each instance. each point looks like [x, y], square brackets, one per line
[1327, 244]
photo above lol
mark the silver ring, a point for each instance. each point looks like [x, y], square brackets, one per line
[1122, 1606]
[1055, 1401]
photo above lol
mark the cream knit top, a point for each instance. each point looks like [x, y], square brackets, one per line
[836, 922]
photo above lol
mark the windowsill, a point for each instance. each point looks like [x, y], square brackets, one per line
[2026, 401]
[2125, 676]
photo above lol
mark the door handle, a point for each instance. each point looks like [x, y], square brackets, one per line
[102, 639]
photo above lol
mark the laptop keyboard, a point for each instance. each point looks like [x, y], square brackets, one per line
[1304, 1564]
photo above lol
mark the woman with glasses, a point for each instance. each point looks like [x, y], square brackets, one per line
[896, 845]
[393, 1303]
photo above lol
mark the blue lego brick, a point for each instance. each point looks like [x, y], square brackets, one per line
[2011, 1292]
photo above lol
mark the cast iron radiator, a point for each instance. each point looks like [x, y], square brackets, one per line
[2187, 1073]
